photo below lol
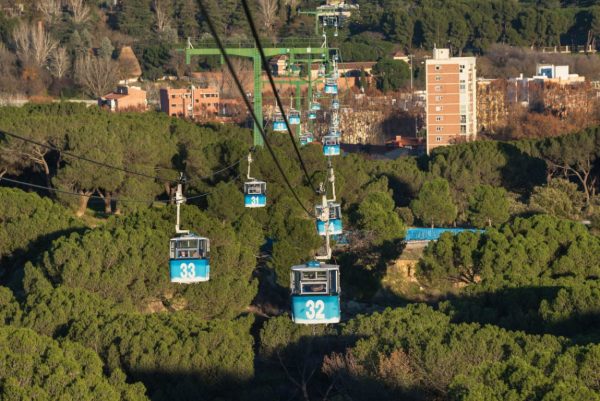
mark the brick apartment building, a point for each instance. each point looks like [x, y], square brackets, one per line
[125, 98]
[451, 99]
[192, 102]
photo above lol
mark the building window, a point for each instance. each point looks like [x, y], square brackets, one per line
[462, 87]
[438, 78]
[439, 129]
[463, 129]
[438, 88]
[438, 139]
[439, 118]
[173, 105]
[172, 96]
[439, 108]
[463, 119]
[439, 98]
[438, 67]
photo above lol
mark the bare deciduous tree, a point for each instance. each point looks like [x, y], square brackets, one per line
[163, 19]
[79, 11]
[98, 75]
[50, 9]
[244, 70]
[33, 44]
[59, 62]
[268, 12]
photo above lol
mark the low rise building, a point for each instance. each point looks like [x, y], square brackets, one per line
[125, 98]
[194, 103]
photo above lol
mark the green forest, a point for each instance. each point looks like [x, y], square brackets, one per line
[510, 312]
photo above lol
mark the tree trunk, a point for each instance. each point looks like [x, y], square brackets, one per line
[83, 202]
[108, 203]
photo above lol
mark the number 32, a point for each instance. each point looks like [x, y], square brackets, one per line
[315, 309]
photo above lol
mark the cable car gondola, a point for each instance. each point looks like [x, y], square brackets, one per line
[315, 290]
[312, 115]
[335, 104]
[331, 145]
[188, 253]
[279, 124]
[255, 191]
[294, 117]
[188, 259]
[334, 132]
[331, 86]
[315, 106]
[334, 224]
[306, 138]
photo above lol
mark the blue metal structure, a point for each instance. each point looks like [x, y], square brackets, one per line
[189, 259]
[331, 145]
[315, 293]
[433, 234]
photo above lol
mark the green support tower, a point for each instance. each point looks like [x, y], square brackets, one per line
[315, 50]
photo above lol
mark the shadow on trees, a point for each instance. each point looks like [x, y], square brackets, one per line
[12, 265]
[522, 172]
[362, 270]
[522, 309]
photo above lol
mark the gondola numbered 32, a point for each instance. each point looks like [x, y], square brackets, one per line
[315, 290]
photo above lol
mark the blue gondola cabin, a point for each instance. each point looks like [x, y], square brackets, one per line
[335, 220]
[331, 86]
[294, 117]
[315, 290]
[331, 145]
[189, 259]
[255, 194]
[279, 124]
[306, 139]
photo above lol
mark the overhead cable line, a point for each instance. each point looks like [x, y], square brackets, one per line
[91, 196]
[62, 191]
[247, 102]
[265, 65]
[102, 164]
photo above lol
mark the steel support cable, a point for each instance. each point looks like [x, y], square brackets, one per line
[247, 102]
[126, 200]
[62, 191]
[265, 65]
[102, 164]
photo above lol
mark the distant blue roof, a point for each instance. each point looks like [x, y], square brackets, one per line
[433, 234]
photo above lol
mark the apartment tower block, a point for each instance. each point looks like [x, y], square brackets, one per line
[451, 99]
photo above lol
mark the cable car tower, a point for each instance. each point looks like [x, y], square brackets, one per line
[188, 252]
[301, 50]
